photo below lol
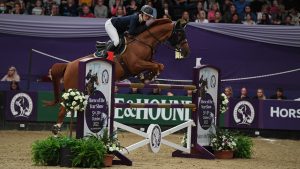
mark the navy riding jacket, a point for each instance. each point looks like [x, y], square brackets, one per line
[129, 23]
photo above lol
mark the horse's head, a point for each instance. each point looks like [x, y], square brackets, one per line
[178, 39]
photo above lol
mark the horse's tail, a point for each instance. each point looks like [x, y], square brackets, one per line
[57, 73]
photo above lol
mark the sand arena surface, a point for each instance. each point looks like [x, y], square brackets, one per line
[15, 152]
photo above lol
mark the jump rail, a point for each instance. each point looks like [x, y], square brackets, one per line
[154, 105]
[160, 86]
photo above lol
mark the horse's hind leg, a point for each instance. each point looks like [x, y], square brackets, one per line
[60, 120]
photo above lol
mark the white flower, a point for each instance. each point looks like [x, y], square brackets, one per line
[69, 90]
[85, 102]
[62, 104]
[65, 96]
[72, 108]
[223, 95]
[226, 101]
[74, 103]
[76, 108]
[76, 97]
[72, 93]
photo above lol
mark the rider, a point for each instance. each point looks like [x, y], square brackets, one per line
[128, 25]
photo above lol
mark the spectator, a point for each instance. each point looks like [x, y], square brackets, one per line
[247, 11]
[38, 9]
[68, 8]
[132, 8]
[114, 8]
[260, 95]
[279, 95]
[170, 94]
[167, 10]
[244, 93]
[48, 6]
[150, 3]
[264, 10]
[226, 6]
[86, 13]
[134, 90]
[274, 10]
[212, 12]
[14, 86]
[256, 5]
[200, 7]
[265, 19]
[240, 6]
[204, 4]
[249, 20]
[228, 14]
[218, 17]
[185, 18]
[120, 11]
[100, 10]
[277, 21]
[189, 93]
[228, 92]
[235, 19]
[3, 8]
[287, 21]
[12, 75]
[201, 17]
[295, 16]
[17, 10]
[55, 10]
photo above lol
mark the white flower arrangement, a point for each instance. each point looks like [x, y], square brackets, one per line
[223, 140]
[224, 103]
[74, 100]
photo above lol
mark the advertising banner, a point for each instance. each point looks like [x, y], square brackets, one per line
[21, 106]
[279, 114]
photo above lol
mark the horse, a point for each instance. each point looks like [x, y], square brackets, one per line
[135, 59]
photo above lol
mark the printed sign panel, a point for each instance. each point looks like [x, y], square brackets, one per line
[280, 114]
[207, 85]
[97, 87]
[21, 106]
[243, 113]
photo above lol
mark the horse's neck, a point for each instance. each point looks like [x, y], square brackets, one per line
[158, 33]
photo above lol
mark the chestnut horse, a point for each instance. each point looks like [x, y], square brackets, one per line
[137, 58]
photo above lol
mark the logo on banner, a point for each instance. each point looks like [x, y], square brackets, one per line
[21, 105]
[96, 113]
[243, 113]
[105, 76]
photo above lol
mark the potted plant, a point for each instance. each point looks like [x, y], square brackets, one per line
[112, 144]
[244, 145]
[88, 152]
[66, 146]
[46, 152]
[223, 143]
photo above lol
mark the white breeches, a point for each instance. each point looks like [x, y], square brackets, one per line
[112, 32]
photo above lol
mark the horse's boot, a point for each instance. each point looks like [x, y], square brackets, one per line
[55, 129]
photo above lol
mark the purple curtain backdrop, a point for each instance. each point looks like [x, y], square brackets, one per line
[236, 57]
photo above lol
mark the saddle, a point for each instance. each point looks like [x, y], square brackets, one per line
[120, 49]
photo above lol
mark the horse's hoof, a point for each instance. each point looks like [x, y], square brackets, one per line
[55, 129]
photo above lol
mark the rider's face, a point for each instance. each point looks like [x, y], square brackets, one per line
[146, 17]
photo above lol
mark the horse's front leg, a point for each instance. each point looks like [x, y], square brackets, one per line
[161, 66]
[61, 115]
[146, 65]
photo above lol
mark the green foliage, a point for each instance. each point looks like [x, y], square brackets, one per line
[244, 147]
[111, 142]
[223, 140]
[88, 152]
[46, 152]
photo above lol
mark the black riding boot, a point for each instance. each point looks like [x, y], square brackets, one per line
[109, 47]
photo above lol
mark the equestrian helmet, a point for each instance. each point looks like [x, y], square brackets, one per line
[148, 10]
